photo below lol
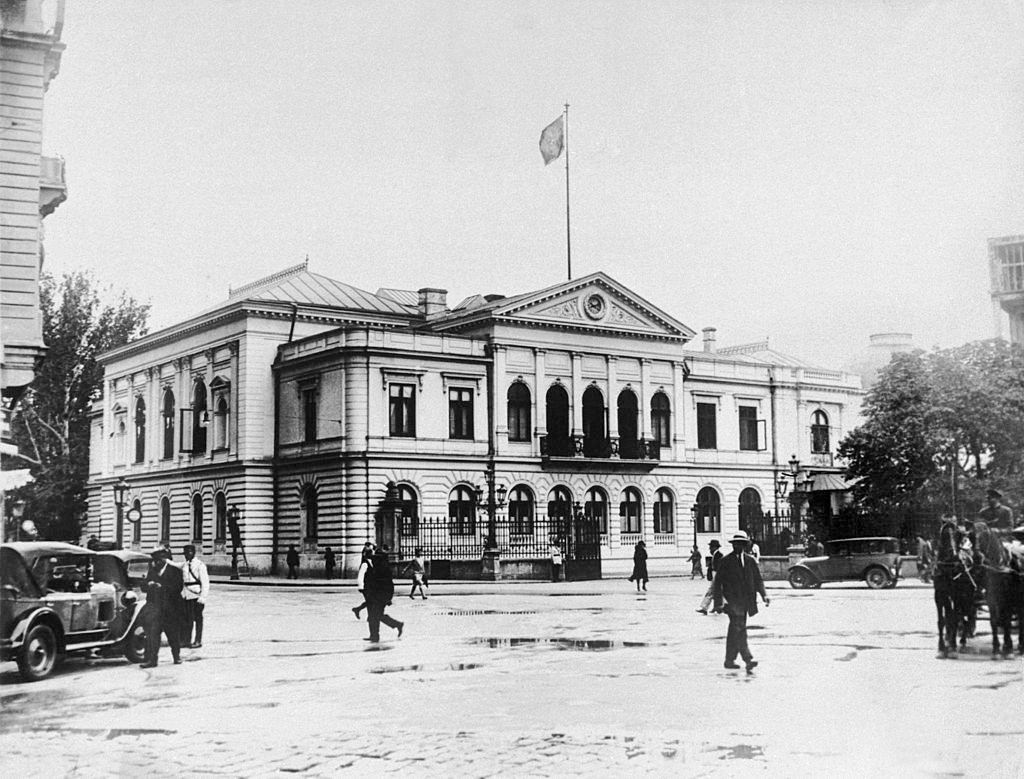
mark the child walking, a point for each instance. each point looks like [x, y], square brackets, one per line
[418, 567]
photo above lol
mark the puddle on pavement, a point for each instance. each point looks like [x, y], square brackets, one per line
[396, 669]
[739, 752]
[478, 612]
[575, 644]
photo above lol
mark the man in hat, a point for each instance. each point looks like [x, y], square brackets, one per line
[195, 593]
[165, 608]
[713, 560]
[995, 514]
[738, 582]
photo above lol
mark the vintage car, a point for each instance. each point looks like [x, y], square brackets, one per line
[874, 559]
[57, 599]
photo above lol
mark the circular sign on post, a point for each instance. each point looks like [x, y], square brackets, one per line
[134, 515]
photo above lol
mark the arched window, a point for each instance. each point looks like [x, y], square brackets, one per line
[120, 435]
[168, 419]
[709, 511]
[220, 422]
[595, 506]
[197, 519]
[520, 511]
[137, 526]
[410, 510]
[559, 503]
[559, 442]
[518, 412]
[664, 511]
[309, 511]
[631, 511]
[629, 432]
[819, 433]
[750, 512]
[661, 416]
[220, 514]
[140, 430]
[595, 442]
[462, 512]
[200, 418]
[165, 520]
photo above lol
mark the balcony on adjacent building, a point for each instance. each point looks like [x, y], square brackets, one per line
[53, 188]
[617, 451]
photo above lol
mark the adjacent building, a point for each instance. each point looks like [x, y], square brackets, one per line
[1006, 275]
[304, 404]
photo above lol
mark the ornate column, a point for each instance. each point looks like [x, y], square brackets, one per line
[678, 412]
[645, 396]
[539, 400]
[500, 388]
[611, 363]
[234, 420]
[576, 394]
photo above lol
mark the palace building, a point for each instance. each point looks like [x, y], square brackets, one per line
[301, 406]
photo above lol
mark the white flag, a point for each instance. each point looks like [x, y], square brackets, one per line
[552, 140]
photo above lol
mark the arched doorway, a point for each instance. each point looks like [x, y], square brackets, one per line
[709, 511]
[197, 520]
[629, 433]
[558, 438]
[595, 441]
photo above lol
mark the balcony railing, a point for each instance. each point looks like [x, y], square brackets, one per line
[590, 447]
[822, 459]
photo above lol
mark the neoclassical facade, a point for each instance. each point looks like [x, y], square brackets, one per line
[300, 399]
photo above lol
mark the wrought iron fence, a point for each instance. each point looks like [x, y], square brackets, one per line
[773, 532]
[447, 538]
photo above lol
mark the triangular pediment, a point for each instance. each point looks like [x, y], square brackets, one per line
[594, 302]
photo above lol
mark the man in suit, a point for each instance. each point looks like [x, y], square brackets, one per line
[738, 582]
[379, 589]
[164, 606]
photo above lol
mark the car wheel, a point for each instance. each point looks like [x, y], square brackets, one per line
[877, 578]
[135, 644]
[38, 656]
[800, 579]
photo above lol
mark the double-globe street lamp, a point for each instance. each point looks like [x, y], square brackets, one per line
[494, 501]
[802, 480]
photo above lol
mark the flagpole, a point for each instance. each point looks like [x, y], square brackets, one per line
[568, 234]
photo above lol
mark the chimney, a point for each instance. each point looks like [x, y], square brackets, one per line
[432, 301]
[709, 339]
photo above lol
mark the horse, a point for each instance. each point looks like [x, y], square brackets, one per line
[954, 589]
[1000, 585]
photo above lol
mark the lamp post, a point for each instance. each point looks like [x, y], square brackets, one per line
[495, 500]
[120, 488]
[233, 529]
[17, 512]
[694, 513]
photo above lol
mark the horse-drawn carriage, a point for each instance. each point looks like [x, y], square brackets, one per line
[972, 575]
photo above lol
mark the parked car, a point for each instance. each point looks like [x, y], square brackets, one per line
[57, 599]
[875, 559]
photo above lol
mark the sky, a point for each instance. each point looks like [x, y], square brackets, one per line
[811, 172]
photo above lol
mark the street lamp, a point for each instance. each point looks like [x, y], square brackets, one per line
[120, 488]
[694, 513]
[233, 513]
[495, 500]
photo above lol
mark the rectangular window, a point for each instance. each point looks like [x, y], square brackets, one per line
[707, 426]
[748, 428]
[460, 413]
[402, 410]
[310, 409]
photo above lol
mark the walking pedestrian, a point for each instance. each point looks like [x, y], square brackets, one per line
[293, 562]
[714, 546]
[639, 574]
[556, 560]
[329, 563]
[417, 567]
[164, 607]
[696, 568]
[196, 590]
[755, 551]
[379, 590]
[365, 563]
[736, 587]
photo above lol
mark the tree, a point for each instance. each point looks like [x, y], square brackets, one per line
[51, 421]
[940, 429]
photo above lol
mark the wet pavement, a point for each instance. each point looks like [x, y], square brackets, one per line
[532, 679]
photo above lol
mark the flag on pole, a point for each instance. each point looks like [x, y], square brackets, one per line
[552, 140]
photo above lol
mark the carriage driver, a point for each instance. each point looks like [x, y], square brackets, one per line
[995, 514]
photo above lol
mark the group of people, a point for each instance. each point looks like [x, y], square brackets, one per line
[175, 600]
[293, 560]
[377, 586]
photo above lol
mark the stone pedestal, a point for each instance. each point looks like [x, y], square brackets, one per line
[490, 565]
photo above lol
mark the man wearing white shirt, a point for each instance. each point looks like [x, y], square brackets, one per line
[195, 591]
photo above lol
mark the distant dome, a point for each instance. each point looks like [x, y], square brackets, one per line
[881, 347]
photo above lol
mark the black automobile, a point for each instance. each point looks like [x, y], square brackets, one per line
[57, 599]
[873, 559]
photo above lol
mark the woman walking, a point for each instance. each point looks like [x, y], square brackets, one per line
[639, 574]
[696, 568]
[418, 567]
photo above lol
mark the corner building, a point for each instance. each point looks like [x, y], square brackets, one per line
[300, 399]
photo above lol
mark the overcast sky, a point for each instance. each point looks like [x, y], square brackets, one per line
[809, 171]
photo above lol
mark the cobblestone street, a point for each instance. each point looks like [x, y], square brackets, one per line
[532, 679]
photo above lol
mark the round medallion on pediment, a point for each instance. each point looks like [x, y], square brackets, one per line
[594, 306]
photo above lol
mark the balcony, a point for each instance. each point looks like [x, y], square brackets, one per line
[53, 188]
[580, 450]
[821, 459]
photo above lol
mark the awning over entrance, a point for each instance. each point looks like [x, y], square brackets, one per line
[831, 482]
